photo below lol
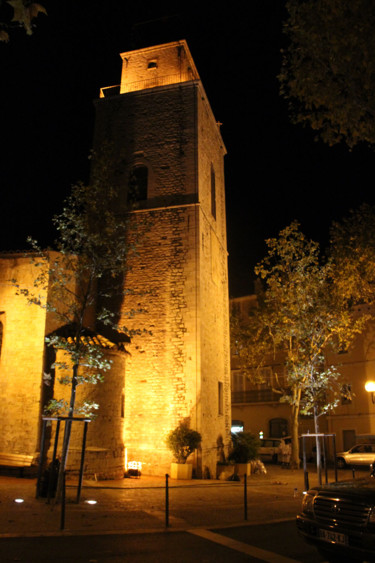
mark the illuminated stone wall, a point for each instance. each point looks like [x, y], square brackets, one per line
[213, 287]
[105, 454]
[180, 274]
[21, 361]
[161, 383]
[22, 392]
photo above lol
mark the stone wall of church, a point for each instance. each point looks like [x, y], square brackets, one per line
[178, 278]
[105, 454]
[163, 368]
[174, 370]
[21, 360]
[213, 291]
[155, 127]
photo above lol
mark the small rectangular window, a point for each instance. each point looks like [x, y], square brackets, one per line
[122, 405]
[213, 192]
[138, 184]
[2, 321]
[220, 397]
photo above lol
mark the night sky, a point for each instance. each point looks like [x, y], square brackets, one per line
[275, 171]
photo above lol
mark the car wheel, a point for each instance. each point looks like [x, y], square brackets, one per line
[274, 458]
[341, 464]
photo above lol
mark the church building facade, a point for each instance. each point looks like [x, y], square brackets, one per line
[170, 155]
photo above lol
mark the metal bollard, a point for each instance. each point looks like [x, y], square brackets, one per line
[307, 485]
[62, 519]
[166, 501]
[245, 495]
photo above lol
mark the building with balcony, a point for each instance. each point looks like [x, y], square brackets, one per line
[257, 408]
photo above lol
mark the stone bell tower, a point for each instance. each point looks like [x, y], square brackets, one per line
[170, 155]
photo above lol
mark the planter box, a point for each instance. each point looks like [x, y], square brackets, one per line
[181, 470]
[242, 469]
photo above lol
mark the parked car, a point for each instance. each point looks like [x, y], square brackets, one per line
[269, 449]
[361, 454]
[339, 519]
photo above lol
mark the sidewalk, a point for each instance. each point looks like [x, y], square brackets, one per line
[138, 505]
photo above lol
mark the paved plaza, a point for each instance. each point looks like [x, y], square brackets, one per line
[139, 505]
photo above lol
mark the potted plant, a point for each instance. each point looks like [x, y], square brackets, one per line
[182, 441]
[244, 450]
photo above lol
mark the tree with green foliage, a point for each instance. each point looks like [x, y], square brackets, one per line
[328, 68]
[245, 447]
[353, 253]
[299, 314]
[182, 441]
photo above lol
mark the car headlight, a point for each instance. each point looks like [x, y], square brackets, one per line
[371, 517]
[308, 502]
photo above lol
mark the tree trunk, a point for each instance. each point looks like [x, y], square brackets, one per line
[67, 434]
[318, 449]
[294, 460]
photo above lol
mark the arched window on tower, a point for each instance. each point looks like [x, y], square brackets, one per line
[138, 182]
[213, 192]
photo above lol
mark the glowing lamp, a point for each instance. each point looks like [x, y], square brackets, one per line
[134, 468]
[135, 465]
[370, 388]
[91, 501]
[19, 500]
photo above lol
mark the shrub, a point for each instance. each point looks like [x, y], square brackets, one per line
[245, 447]
[182, 441]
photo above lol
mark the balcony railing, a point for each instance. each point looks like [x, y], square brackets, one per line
[255, 396]
[155, 81]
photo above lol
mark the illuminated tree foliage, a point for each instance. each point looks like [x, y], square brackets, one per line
[299, 314]
[24, 12]
[328, 68]
[353, 253]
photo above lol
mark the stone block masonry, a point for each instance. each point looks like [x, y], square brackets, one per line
[21, 358]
